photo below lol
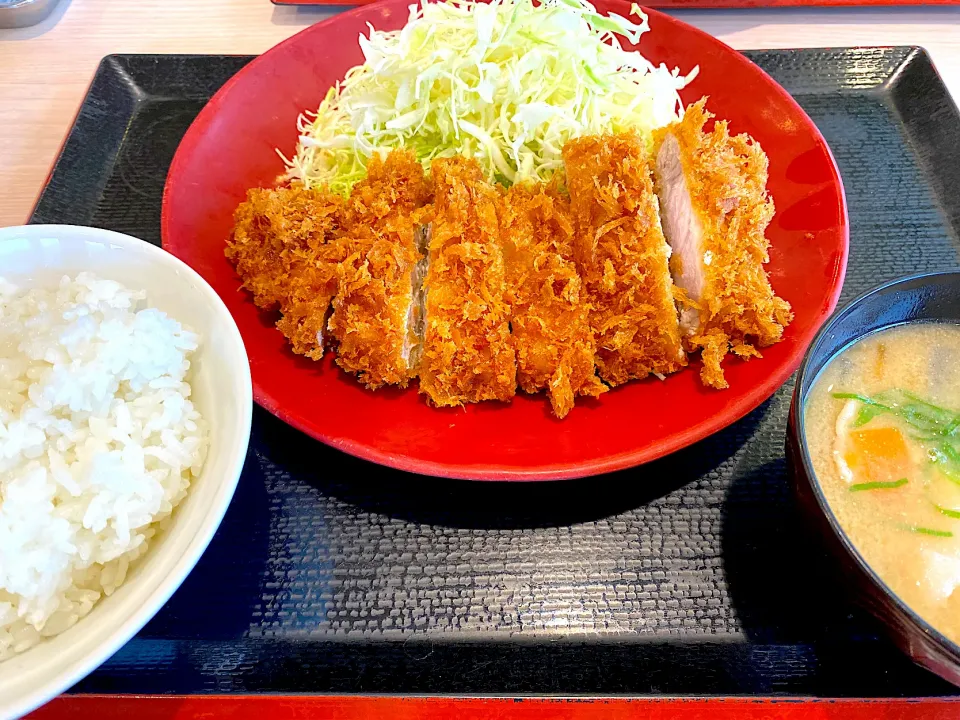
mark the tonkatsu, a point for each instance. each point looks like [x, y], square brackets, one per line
[468, 353]
[550, 311]
[623, 258]
[375, 312]
[284, 246]
[716, 209]
[638, 254]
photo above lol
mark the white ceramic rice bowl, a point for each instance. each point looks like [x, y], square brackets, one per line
[222, 392]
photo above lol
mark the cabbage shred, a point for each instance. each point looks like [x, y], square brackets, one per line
[506, 82]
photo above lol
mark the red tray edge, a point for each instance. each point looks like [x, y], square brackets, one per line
[340, 707]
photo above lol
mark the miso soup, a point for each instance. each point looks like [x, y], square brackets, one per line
[883, 430]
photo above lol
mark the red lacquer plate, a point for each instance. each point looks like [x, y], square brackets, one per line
[230, 147]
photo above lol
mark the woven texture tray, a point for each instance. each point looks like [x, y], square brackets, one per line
[691, 575]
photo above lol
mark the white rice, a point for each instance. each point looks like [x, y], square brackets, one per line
[98, 444]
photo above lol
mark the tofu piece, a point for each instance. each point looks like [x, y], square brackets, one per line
[550, 317]
[379, 278]
[285, 249]
[623, 257]
[468, 353]
[716, 209]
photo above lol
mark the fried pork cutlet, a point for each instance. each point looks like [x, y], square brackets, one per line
[549, 308]
[468, 353]
[713, 193]
[284, 247]
[622, 257]
[375, 312]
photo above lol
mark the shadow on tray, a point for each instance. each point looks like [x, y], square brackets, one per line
[780, 583]
[246, 551]
[489, 505]
[215, 600]
[776, 582]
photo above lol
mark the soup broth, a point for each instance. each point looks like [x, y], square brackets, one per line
[883, 429]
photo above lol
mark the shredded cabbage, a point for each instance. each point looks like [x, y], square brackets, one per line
[506, 82]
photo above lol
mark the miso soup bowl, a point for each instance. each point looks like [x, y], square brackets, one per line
[923, 298]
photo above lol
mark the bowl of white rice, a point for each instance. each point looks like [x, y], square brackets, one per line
[125, 408]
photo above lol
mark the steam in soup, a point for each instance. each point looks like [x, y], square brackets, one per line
[883, 429]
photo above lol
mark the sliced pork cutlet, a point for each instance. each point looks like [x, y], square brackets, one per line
[468, 354]
[715, 207]
[550, 313]
[285, 250]
[623, 258]
[376, 310]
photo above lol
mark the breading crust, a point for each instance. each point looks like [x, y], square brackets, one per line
[284, 247]
[550, 318]
[376, 286]
[468, 353]
[622, 257]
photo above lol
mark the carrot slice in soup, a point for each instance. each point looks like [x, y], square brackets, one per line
[878, 454]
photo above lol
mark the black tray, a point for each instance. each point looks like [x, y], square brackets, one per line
[691, 575]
